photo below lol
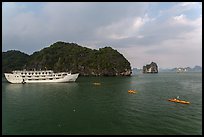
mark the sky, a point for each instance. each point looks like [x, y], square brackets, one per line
[168, 33]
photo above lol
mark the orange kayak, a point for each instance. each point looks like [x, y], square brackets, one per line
[179, 101]
[132, 91]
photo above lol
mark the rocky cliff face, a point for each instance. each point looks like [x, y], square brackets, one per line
[150, 68]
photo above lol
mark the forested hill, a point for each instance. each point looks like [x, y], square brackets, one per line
[72, 57]
[13, 60]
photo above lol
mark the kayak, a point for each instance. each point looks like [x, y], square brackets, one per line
[179, 101]
[132, 91]
[97, 84]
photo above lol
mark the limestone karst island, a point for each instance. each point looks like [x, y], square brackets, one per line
[62, 56]
[150, 68]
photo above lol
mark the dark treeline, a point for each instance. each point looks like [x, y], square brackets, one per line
[72, 57]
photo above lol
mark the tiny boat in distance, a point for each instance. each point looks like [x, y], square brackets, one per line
[178, 101]
[40, 76]
[132, 91]
[97, 84]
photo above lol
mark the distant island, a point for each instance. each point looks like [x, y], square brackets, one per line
[150, 68]
[183, 69]
[62, 56]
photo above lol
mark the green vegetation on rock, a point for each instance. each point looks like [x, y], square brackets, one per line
[62, 56]
[14, 60]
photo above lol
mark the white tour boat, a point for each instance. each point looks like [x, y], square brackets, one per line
[40, 76]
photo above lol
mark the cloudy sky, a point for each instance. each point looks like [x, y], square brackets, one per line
[169, 34]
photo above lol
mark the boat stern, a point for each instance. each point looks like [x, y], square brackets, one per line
[12, 78]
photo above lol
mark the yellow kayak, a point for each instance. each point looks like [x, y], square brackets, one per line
[132, 91]
[178, 101]
[97, 84]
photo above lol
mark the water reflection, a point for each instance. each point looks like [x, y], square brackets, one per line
[11, 87]
[43, 87]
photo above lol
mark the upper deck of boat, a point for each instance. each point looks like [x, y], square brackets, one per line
[25, 72]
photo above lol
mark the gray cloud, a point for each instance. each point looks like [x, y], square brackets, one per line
[124, 26]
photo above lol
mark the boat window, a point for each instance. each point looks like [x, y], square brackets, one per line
[32, 73]
[23, 76]
[59, 75]
[64, 74]
[57, 78]
[25, 73]
[36, 73]
[29, 73]
[49, 72]
[45, 72]
[21, 73]
[42, 72]
[50, 78]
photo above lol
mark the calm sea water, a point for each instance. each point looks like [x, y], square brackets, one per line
[85, 108]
